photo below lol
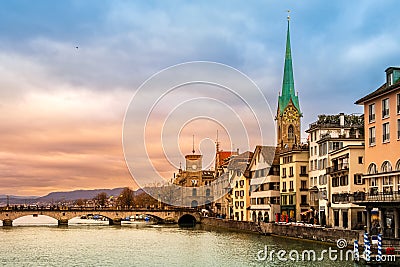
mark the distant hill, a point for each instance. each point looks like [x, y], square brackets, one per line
[61, 196]
[77, 194]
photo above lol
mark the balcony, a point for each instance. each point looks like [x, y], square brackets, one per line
[302, 189]
[304, 204]
[303, 174]
[337, 168]
[291, 190]
[375, 196]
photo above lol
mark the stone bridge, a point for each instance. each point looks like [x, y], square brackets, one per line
[180, 216]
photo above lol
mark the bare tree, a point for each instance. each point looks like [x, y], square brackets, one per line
[126, 198]
[80, 202]
[101, 199]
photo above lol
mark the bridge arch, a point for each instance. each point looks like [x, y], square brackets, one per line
[187, 220]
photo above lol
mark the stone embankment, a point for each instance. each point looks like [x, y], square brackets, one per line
[329, 235]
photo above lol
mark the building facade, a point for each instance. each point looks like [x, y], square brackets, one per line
[195, 183]
[382, 155]
[327, 135]
[345, 178]
[294, 183]
[264, 184]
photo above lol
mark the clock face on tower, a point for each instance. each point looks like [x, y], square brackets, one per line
[194, 167]
[290, 114]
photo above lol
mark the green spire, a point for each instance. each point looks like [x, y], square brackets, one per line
[288, 92]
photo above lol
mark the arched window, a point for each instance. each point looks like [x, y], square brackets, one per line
[398, 165]
[372, 168]
[386, 166]
[194, 204]
[290, 132]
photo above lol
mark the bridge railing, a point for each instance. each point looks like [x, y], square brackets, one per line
[66, 208]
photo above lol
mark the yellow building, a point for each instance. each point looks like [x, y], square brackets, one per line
[294, 183]
[240, 183]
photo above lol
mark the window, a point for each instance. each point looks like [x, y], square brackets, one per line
[303, 170]
[335, 145]
[371, 136]
[388, 185]
[398, 103]
[303, 199]
[291, 185]
[344, 180]
[386, 166]
[398, 128]
[284, 200]
[358, 179]
[371, 113]
[372, 169]
[283, 172]
[323, 149]
[335, 182]
[359, 216]
[290, 171]
[194, 192]
[323, 179]
[284, 186]
[385, 108]
[311, 151]
[303, 184]
[291, 200]
[336, 217]
[290, 132]
[360, 160]
[208, 192]
[386, 132]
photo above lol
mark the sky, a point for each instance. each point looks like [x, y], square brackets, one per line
[69, 69]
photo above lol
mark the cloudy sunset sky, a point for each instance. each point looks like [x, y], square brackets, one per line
[68, 70]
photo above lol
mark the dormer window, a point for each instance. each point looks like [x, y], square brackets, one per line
[392, 75]
[390, 79]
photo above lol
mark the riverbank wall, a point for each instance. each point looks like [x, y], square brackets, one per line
[327, 235]
[231, 224]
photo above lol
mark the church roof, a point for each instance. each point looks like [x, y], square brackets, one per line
[288, 92]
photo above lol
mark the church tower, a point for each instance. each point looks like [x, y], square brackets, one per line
[288, 113]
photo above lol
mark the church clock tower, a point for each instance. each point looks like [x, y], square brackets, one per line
[288, 113]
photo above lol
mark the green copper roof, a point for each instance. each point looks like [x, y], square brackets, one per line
[288, 92]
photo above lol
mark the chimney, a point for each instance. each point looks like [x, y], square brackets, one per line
[341, 119]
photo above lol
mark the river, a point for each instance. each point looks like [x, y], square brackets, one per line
[29, 243]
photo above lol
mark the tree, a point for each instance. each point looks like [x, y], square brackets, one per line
[101, 199]
[80, 202]
[144, 200]
[126, 198]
